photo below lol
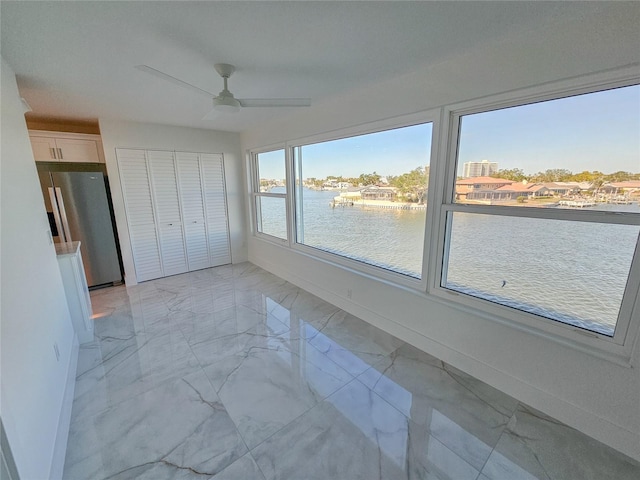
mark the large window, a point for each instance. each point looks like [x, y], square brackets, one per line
[364, 197]
[270, 193]
[542, 209]
[528, 212]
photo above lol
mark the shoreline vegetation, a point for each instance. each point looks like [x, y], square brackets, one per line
[546, 202]
[511, 187]
[342, 202]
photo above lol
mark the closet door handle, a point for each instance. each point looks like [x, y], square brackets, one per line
[52, 152]
[60, 154]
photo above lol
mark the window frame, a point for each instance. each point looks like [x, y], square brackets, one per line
[444, 145]
[255, 193]
[616, 348]
[380, 273]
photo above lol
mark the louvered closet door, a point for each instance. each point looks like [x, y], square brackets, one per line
[195, 231]
[140, 217]
[164, 186]
[215, 202]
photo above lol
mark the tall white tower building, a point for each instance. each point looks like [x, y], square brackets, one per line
[479, 169]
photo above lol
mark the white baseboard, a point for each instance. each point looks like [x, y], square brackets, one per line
[587, 422]
[64, 420]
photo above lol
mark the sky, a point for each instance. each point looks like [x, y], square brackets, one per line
[391, 152]
[599, 131]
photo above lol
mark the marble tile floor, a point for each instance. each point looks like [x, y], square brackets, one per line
[233, 373]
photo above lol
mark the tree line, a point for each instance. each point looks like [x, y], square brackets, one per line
[413, 185]
[410, 185]
[562, 175]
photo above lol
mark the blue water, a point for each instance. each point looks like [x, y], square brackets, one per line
[573, 272]
[392, 239]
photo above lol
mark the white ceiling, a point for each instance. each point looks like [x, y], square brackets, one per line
[76, 59]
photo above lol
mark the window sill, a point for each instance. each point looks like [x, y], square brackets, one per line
[567, 335]
[592, 344]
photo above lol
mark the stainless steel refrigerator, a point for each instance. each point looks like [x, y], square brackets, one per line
[79, 208]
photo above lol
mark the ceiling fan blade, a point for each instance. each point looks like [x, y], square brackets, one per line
[212, 115]
[174, 80]
[275, 102]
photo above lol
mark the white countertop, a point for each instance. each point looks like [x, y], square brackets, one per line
[67, 248]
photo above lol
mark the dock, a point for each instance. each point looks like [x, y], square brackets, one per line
[576, 203]
[379, 204]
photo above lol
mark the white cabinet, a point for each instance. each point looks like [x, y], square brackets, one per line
[76, 290]
[43, 148]
[176, 210]
[79, 150]
[66, 147]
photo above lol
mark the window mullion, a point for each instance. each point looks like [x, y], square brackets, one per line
[290, 183]
[630, 301]
[272, 195]
[619, 218]
[434, 232]
[298, 228]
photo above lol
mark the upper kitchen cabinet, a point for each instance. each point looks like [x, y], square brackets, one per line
[66, 147]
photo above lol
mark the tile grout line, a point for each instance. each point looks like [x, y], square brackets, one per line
[325, 398]
[504, 430]
[248, 280]
[200, 368]
[244, 442]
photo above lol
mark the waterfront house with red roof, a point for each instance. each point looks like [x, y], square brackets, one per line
[476, 185]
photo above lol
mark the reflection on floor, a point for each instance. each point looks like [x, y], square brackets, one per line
[234, 373]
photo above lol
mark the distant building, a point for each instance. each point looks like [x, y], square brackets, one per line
[477, 184]
[479, 169]
[628, 187]
[509, 192]
[563, 188]
[332, 184]
[379, 193]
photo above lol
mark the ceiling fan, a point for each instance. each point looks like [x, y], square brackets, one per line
[225, 101]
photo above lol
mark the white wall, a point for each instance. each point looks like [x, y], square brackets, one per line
[595, 396]
[33, 305]
[120, 134]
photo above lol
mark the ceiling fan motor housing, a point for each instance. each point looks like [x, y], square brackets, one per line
[224, 69]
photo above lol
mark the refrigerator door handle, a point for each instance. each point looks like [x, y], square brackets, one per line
[63, 215]
[56, 214]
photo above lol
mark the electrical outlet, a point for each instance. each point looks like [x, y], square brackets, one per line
[349, 293]
[55, 349]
